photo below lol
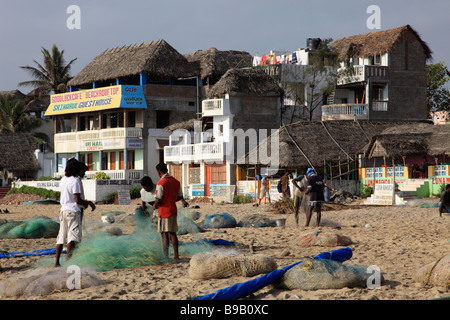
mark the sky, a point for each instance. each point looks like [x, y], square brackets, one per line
[255, 26]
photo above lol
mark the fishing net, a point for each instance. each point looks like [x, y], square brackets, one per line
[436, 273]
[41, 281]
[39, 227]
[220, 220]
[317, 274]
[228, 263]
[256, 221]
[323, 239]
[101, 250]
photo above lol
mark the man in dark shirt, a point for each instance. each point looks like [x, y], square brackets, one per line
[315, 190]
[445, 200]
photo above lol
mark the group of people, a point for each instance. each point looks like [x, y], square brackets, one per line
[309, 194]
[309, 190]
[163, 197]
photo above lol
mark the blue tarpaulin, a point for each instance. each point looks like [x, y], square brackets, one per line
[41, 252]
[243, 289]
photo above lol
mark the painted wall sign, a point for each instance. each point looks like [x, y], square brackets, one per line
[120, 96]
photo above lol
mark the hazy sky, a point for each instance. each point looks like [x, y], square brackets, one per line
[256, 26]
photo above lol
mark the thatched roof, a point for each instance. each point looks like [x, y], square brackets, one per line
[304, 144]
[407, 140]
[215, 63]
[187, 125]
[157, 59]
[17, 152]
[248, 81]
[376, 42]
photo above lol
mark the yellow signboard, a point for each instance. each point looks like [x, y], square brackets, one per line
[120, 96]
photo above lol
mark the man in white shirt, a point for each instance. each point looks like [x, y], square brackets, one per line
[71, 200]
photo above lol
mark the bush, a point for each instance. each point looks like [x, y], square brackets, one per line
[239, 198]
[366, 191]
[45, 193]
[110, 198]
[100, 175]
[135, 192]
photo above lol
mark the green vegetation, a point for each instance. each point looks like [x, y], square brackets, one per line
[45, 193]
[239, 198]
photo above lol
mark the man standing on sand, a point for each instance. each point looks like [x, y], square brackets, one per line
[168, 192]
[285, 185]
[445, 201]
[264, 191]
[315, 188]
[299, 193]
[72, 202]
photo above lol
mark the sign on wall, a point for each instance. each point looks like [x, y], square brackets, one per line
[384, 194]
[121, 96]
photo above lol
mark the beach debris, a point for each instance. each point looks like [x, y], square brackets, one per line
[436, 273]
[256, 221]
[220, 264]
[42, 281]
[220, 220]
[314, 274]
[323, 239]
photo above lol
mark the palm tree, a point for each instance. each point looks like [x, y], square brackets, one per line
[53, 75]
[13, 116]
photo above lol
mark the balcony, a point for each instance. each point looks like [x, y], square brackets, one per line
[345, 112]
[209, 151]
[215, 107]
[114, 138]
[362, 73]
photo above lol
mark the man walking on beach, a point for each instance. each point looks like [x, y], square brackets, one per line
[168, 192]
[315, 188]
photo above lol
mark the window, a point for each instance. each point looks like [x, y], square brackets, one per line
[112, 161]
[218, 173]
[113, 120]
[130, 160]
[376, 60]
[81, 123]
[104, 121]
[220, 130]
[399, 172]
[162, 118]
[131, 119]
[105, 161]
[439, 171]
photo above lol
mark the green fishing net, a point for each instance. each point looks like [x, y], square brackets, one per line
[38, 227]
[103, 251]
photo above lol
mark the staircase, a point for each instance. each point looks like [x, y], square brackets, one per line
[330, 98]
[409, 189]
[4, 191]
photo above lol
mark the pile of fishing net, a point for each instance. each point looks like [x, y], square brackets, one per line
[34, 228]
[102, 250]
[229, 263]
[256, 221]
[436, 273]
[420, 203]
[220, 220]
[323, 239]
[317, 274]
[41, 281]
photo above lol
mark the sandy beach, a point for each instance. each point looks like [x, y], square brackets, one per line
[399, 240]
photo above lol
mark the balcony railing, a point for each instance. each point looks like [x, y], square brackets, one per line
[69, 142]
[362, 73]
[195, 152]
[345, 112]
[215, 107]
